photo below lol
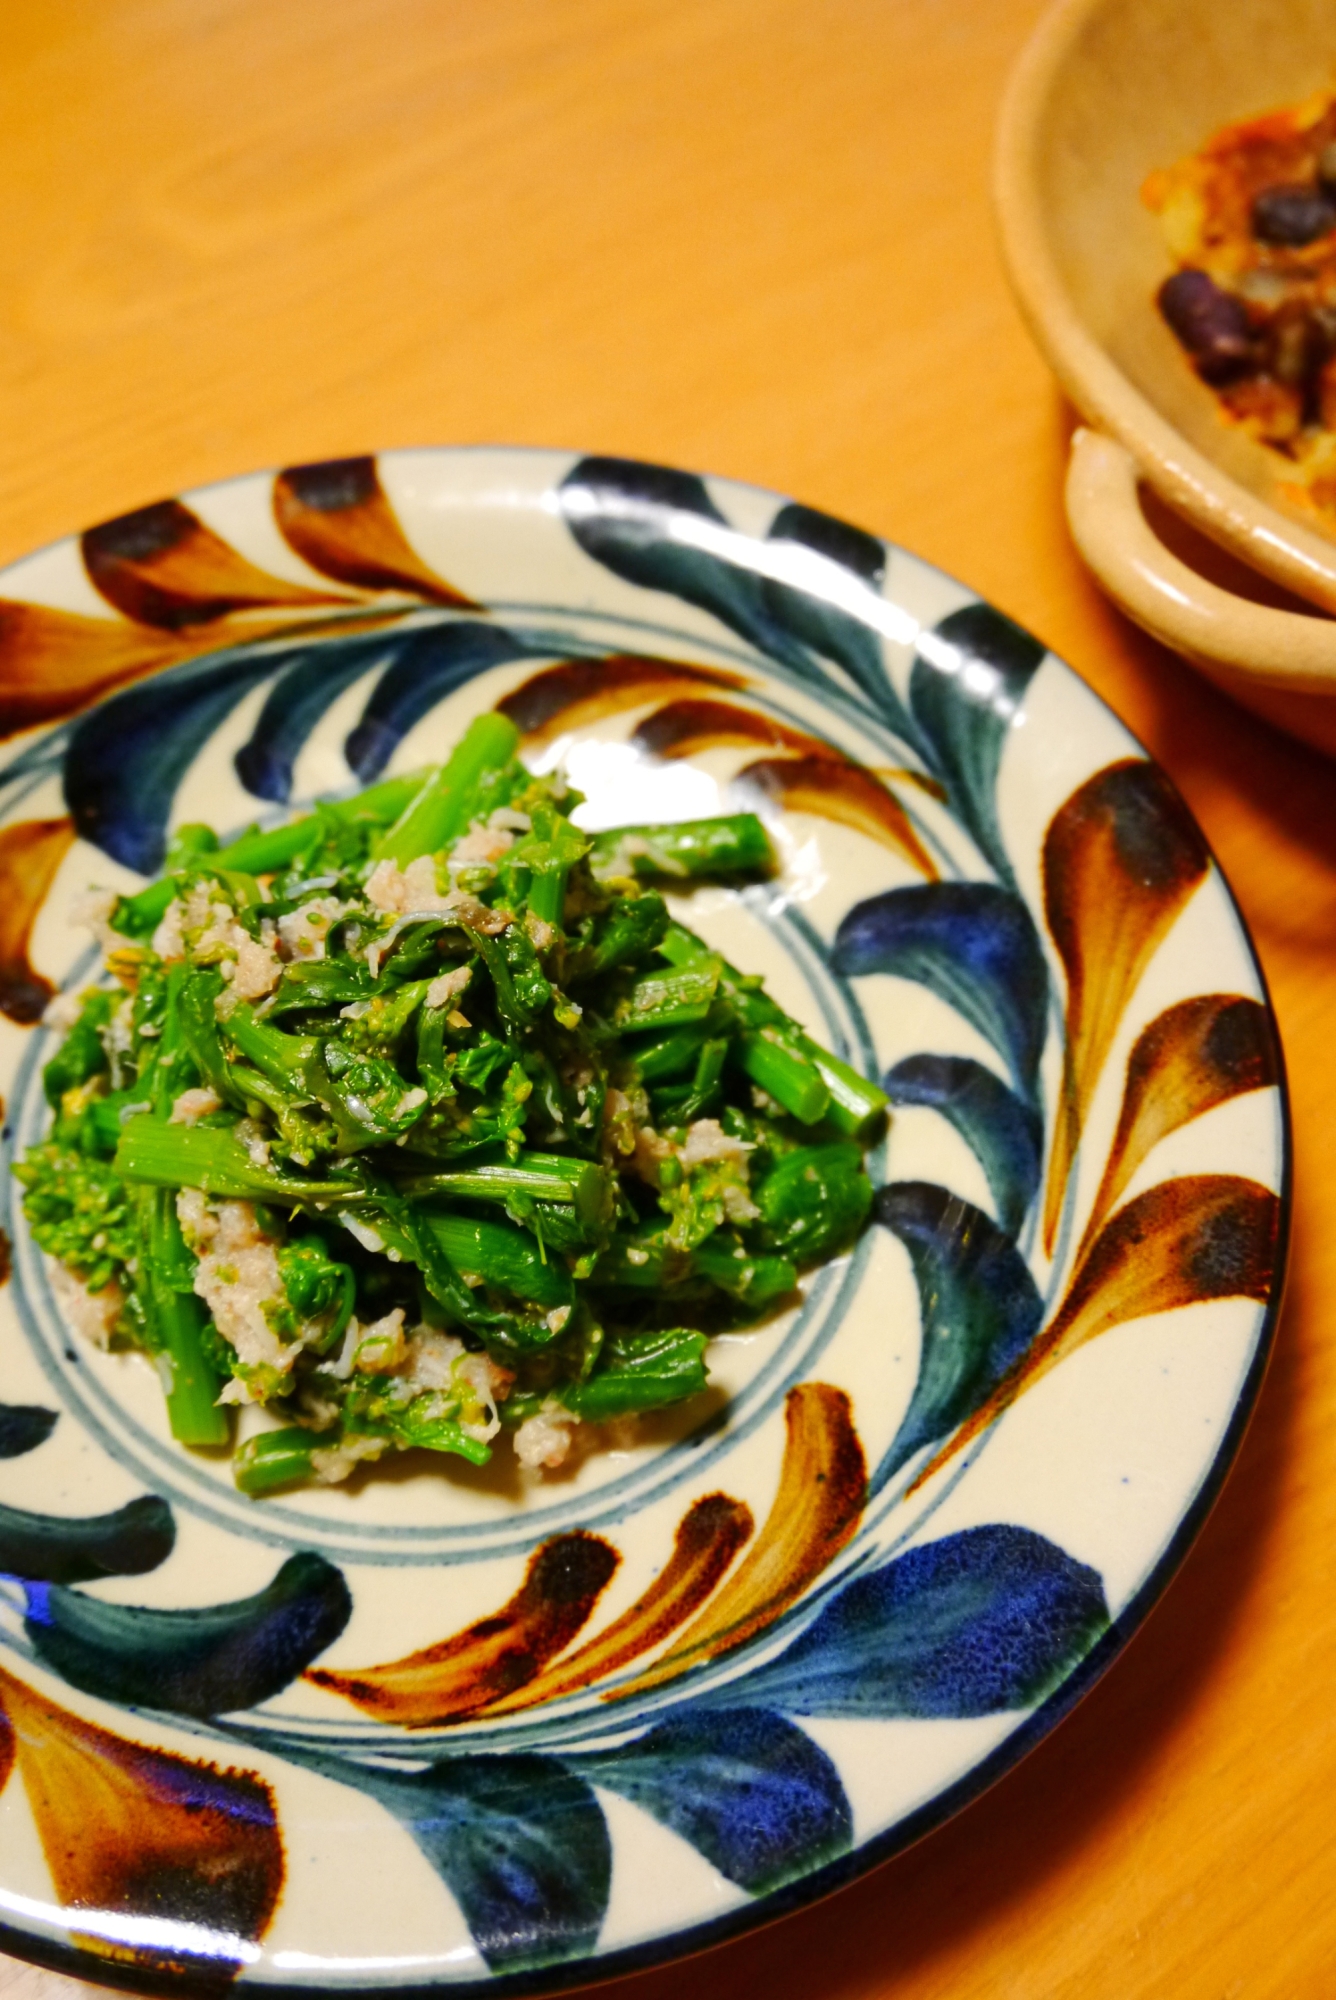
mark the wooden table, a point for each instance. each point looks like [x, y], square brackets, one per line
[751, 236]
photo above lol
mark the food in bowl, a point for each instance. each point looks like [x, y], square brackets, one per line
[419, 1119]
[1250, 219]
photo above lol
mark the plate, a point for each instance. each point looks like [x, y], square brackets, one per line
[717, 1668]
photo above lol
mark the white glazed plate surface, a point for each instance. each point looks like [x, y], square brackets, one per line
[953, 1479]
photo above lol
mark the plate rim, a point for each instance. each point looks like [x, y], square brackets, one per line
[597, 1969]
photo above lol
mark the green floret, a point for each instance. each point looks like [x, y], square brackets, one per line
[78, 1210]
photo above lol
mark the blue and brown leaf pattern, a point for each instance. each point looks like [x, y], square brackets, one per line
[520, 1841]
[974, 945]
[966, 691]
[205, 1661]
[54, 1549]
[659, 528]
[427, 665]
[750, 1792]
[23, 1426]
[31, 851]
[979, 1310]
[492, 1746]
[990, 1619]
[1004, 1132]
[173, 1865]
[121, 798]
[1121, 859]
[161, 566]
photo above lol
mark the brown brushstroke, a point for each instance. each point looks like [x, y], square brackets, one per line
[1192, 1057]
[578, 692]
[337, 517]
[30, 853]
[709, 1535]
[162, 566]
[458, 1676]
[1121, 858]
[683, 728]
[1201, 1236]
[136, 1831]
[822, 1492]
[846, 793]
[54, 662]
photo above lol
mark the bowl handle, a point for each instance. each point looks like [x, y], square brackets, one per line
[1233, 640]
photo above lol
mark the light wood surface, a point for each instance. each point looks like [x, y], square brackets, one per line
[750, 236]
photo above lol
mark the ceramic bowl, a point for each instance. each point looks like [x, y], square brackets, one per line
[1107, 91]
[462, 1730]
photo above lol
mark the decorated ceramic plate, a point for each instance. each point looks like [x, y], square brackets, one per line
[492, 1729]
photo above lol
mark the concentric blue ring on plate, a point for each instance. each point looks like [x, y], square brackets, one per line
[458, 1729]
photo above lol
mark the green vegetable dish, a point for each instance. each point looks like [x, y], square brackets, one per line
[420, 1118]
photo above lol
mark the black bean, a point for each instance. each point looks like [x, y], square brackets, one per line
[1212, 324]
[1293, 214]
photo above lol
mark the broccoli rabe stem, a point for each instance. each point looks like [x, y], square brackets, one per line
[214, 1159]
[442, 809]
[261, 853]
[853, 1105]
[174, 1321]
[274, 1459]
[733, 845]
[550, 1177]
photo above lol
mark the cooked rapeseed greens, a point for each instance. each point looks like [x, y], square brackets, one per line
[420, 1116]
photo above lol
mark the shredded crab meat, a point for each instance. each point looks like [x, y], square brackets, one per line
[62, 1011]
[93, 1315]
[380, 1347]
[192, 1105]
[406, 891]
[256, 969]
[238, 1277]
[483, 843]
[91, 911]
[302, 932]
[443, 992]
[707, 1140]
[543, 1441]
[333, 1463]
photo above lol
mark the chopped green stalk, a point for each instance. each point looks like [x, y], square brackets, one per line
[213, 1158]
[138, 916]
[442, 809]
[856, 1105]
[274, 1459]
[263, 853]
[548, 1177]
[717, 848]
[192, 1400]
[551, 851]
[681, 1103]
[380, 804]
[785, 1074]
[671, 1055]
[670, 999]
[505, 1258]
